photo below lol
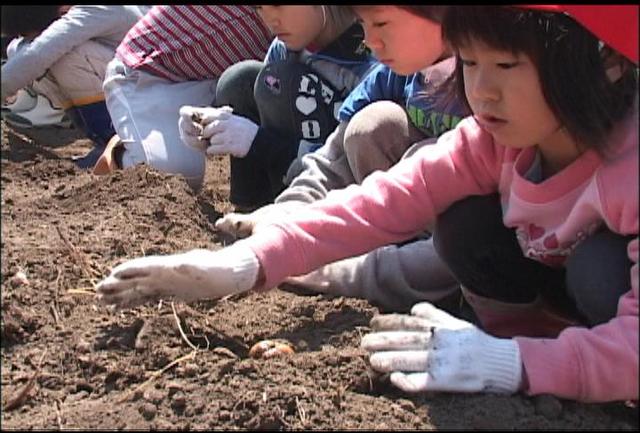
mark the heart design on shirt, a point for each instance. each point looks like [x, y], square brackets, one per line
[551, 242]
[306, 104]
[535, 232]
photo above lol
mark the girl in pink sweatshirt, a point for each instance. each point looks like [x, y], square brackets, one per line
[535, 205]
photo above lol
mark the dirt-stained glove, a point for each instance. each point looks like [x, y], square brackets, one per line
[225, 132]
[196, 274]
[192, 120]
[241, 225]
[431, 350]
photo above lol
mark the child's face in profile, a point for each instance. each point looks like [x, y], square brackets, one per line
[296, 26]
[401, 40]
[505, 94]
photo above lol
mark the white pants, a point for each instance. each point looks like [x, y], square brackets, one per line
[74, 80]
[144, 110]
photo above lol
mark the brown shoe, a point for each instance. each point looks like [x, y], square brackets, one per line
[107, 162]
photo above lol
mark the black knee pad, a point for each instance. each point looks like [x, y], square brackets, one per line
[295, 101]
[235, 88]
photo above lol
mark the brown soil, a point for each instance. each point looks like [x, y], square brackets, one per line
[65, 228]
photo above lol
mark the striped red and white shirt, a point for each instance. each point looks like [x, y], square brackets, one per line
[187, 42]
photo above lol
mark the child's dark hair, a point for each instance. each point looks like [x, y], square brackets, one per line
[21, 20]
[342, 17]
[569, 61]
[432, 12]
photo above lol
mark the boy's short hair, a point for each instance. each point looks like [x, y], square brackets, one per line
[340, 15]
[569, 59]
[22, 20]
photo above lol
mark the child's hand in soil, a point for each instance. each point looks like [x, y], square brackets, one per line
[189, 276]
[431, 350]
[241, 225]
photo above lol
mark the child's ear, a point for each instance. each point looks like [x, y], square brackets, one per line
[615, 64]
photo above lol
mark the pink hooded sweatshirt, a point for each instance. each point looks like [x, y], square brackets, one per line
[550, 219]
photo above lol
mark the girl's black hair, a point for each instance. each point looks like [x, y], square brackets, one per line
[569, 60]
[21, 20]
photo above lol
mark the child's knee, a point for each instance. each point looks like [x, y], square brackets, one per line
[237, 82]
[80, 73]
[378, 117]
[598, 274]
[379, 127]
[90, 57]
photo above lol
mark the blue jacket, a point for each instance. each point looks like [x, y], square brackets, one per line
[422, 94]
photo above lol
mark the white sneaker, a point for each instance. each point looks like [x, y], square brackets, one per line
[41, 115]
[25, 100]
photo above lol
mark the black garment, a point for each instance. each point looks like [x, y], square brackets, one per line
[295, 108]
[486, 258]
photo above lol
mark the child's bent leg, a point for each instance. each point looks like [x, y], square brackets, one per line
[249, 184]
[296, 116]
[144, 108]
[377, 137]
[485, 255]
[236, 88]
[509, 292]
[79, 76]
[598, 273]
[393, 277]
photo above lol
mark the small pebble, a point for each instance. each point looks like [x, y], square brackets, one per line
[174, 386]
[190, 369]
[223, 351]
[179, 401]
[148, 411]
[548, 406]
[154, 396]
[83, 346]
[83, 385]
[19, 279]
[406, 404]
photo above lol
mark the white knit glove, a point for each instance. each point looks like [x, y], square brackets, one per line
[219, 131]
[190, 129]
[240, 225]
[189, 276]
[431, 350]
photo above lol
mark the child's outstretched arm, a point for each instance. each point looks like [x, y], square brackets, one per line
[197, 274]
[386, 208]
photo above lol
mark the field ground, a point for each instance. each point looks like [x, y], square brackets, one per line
[68, 362]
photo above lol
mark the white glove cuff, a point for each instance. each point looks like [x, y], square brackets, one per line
[502, 364]
[244, 268]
